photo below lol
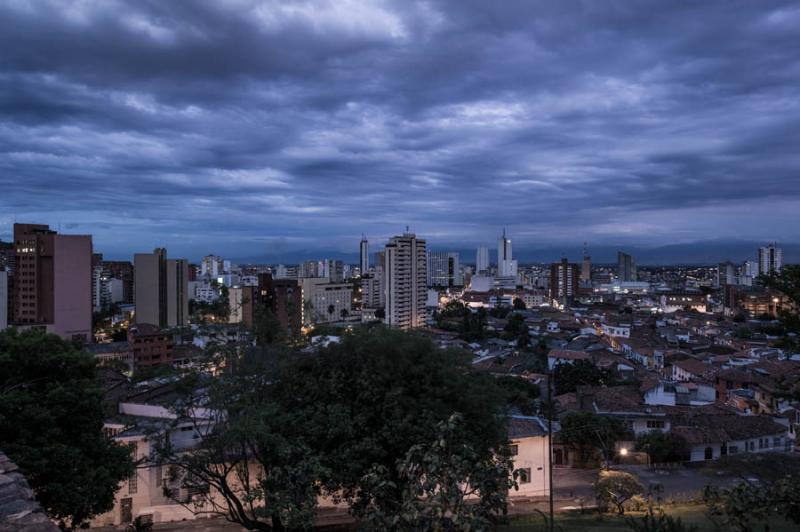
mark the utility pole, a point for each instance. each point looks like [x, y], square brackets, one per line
[550, 441]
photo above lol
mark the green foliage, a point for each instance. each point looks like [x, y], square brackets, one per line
[500, 312]
[663, 447]
[655, 520]
[743, 506]
[51, 420]
[520, 393]
[366, 401]
[354, 420]
[587, 432]
[616, 488]
[517, 329]
[519, 304]
[267, 328]
[473, 328]
[567, 377]
[439, 478]
[252, 464]
[787, 281]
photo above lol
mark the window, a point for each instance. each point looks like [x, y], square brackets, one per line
[133, 484]
[776, 442]
[655, 424]
[513, 449]
[524, 475]
[733, 449]
[159, 476]
[760, 443]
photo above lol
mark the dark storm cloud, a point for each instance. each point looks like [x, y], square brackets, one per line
[239, 126]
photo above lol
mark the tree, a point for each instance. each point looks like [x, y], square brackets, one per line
[440, 479]
[380, 314]
[787, 282]
[267, 328]
[51, 421]
[663, 446]
[344, 313]
[331, 310]
[567, 377]
[741, 507]
[587, 432]
[519, 304]
[354, 420]
[520, 393]
[366, 401]
[252, 465]
[616, 487]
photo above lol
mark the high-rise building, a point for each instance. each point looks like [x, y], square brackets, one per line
[371, 295]
[726, 274]
[161, 289]
[482, 260]
[626, 267]
[586, 267]
[564, 277]
[364, 252]
[506, 266]
[122, 270]
[53, 281]
[405, 275]
[335, 270]
[284, 298]
[212, 266]
[444, 269]
[770, 259]
[3, 300]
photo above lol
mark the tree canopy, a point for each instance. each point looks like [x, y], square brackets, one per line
[355, 420]
[567, 377]
[51, 421]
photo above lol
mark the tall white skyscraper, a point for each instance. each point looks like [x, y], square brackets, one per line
[364, 248]
[770, 259]
[405, 274]
[482, 260]
[506, 266]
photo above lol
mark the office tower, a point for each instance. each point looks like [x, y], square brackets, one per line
[404, 281]
[726, 274]
[331, 301]
[53, 281]
[334, 271]
[3, 299]
[122, 270]
[443, 269]
[211, 266]
[586, 266]
[564, 277]
[364, 251]
[770, 259]
[482, 260]
[506, 266]
[161, 289]
[626, 267]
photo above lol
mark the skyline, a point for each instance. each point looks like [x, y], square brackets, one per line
[249, 129]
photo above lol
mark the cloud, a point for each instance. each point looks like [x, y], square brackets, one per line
[239, 126]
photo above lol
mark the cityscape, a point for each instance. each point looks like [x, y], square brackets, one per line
[399, 266]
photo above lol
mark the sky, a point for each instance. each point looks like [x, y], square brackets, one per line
[250, 128]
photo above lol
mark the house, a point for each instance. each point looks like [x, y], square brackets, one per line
[691, 369]
[722, 433]
[565, 356]
[529, 447]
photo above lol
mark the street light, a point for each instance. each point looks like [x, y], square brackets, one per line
[623, 452]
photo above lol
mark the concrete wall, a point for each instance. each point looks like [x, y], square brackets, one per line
[72, 293]
[532, 454]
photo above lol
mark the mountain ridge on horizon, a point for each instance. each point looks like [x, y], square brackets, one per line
[699, 253]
